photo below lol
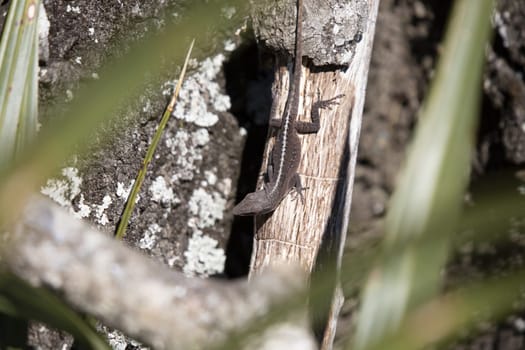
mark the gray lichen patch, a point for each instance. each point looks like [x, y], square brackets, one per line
[187, 149]
[161, 192]
[65, 189]
[206, 208]
[203, 256]
[118, 340]
[331, 29]
[198, 91]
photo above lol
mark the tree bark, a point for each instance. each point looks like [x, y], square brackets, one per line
[316, 229]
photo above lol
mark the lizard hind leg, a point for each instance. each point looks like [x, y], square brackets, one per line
[297, 185]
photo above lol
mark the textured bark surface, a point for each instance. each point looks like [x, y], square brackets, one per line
[300, 231]
[294, 231]
[332, 28]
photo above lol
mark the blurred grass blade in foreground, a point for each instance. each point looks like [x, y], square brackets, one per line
[18, 78]
[18, 123]
[97, 101]
[457, 312]
[19, 299]
[425, 208]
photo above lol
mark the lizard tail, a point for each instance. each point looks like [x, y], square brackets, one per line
[298, 47]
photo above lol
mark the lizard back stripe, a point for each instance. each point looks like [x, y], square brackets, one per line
[283, 152]
[293, 95]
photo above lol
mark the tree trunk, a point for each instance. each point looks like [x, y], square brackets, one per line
[315, 230]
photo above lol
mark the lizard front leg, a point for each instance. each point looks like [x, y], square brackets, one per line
[313, 126]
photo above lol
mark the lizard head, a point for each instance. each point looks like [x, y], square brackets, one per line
[255, 203]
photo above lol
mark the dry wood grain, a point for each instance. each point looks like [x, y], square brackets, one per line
[295, 229]
[303, 231]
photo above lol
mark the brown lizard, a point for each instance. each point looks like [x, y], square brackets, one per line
[283, 163]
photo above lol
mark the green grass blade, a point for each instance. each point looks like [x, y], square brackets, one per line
[130, 203]
[8, 308]
[457, 312]
[18, 79]
[428, 200]
[28, 118]
[40, 304]
[18, 121]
